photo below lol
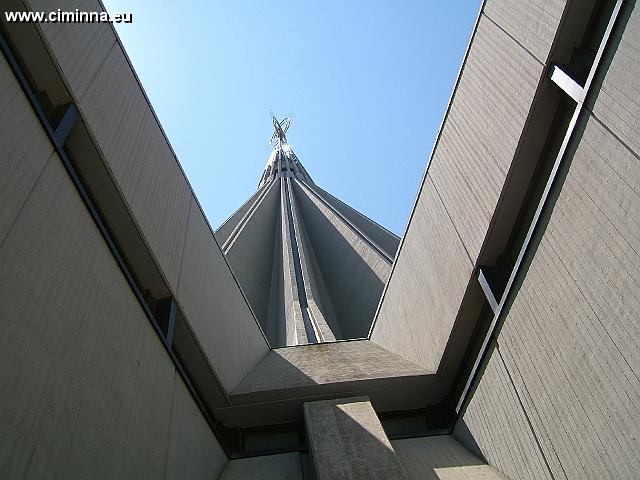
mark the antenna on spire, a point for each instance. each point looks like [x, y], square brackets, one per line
[279, 137]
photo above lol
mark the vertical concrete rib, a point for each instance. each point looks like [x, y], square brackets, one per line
[289, 294]
[353, 270]
[275, 324]
[297, 268]
[305, 253]
[305, 297]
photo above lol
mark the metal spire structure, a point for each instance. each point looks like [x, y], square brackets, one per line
[280, 129]
[312, 268]
[282, 158]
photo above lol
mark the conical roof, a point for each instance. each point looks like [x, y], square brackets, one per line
[312, 268]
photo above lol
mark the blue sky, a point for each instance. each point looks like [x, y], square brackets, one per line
[365, 83]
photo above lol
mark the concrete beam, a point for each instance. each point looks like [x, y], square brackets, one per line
[346, 441]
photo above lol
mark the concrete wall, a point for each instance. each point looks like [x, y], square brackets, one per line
[617, 104]
[496, 427]
[23, 154]
[294, 323]
[251, 252]
[324, 363]
[274, 391]
[563, 385]
[380, 235]
[430, 274]
[466, 174]
[80, 48]
[223, 231]
[533, 24]
[570, 338]
[318, 298]
[285, 466]
[482, 130]
[193, 452]
[142, 164]
[139, 158]
[215, 308]
[441, 457]
[86, 388]
[353, 271]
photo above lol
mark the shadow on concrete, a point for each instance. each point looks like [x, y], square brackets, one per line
[346, 441]
[354, 287]
[441, 457]
[326, 363]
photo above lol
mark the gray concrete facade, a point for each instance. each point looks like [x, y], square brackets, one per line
[324, 280]
[555, 396]
[87, 389]
[135, 343]
[441, 457]
[285, 466]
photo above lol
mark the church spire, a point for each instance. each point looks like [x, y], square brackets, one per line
[278, 139]
[282, 161]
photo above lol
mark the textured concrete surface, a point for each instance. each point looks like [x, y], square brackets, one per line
[346, 441]
[81, 48]
[193, 450]
[276, 389]
[24, 145]
[140, 159]
[223, 231]
[250, 253]
[567, 363]
[293, 285]
[425, 290]
[617, 104]
[86, 385]
[441, 457]
[242, 222]
[381, 236]
[320, 303]
[532, 23]
[482, 131]
[290, 301]
[496, 425]
[313, 282]
[323, 364]
[558, 399]
[458, 197]
[215, 307]
[326, 284]
[88, 389]
[570, 344]
[353, 271]
[152, 184]
[285, 466]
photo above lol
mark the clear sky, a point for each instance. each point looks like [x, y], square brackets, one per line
[365, 83]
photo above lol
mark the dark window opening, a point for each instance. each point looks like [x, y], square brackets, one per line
[272, 439]
[497, 275]
[584, 54]
[423, 422]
